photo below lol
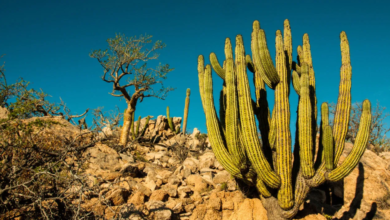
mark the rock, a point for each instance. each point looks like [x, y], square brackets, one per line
[154, 204]
[218, 166]
[195, 132]
[164, 175]
[221, 177]
[137, 198]
[174, 180]
[191, 163]
[207, 160]
[143, 188]
[126, 158]
[162, 214]
[152, 156]
[3, 113]
[159, 195]
[189, 207]
[366, 188]
[184, 191]
[214, 203]
[118, 196]
[171, 190]
[250, 209]
[198, 182]
[175, 205]
[150, 183]
[103, 157]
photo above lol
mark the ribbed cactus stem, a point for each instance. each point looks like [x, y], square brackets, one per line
[288, 43]
[300, 55]
[360, 146]
[232, 132]
[255, 46]
[201, 79]
[283, 140]
[248, 124]
[249, 63]
[137, 128]
[266, 60]
[213, 130]
[296, 82]
[327, 142]
[296, 67]
[170, 123]
[132, 126]
[216, 66]
[305, 129]
[341, 118]
[186, 108]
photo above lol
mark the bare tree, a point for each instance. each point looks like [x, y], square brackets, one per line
[378, 127]
[125, 66]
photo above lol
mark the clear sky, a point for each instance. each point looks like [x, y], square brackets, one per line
[48, 43]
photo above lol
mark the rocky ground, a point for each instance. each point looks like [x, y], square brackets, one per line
[166, 176]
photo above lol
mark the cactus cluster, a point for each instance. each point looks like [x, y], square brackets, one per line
[135, 133]
[269, 163]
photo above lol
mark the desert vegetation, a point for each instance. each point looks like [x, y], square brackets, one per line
[106, 165]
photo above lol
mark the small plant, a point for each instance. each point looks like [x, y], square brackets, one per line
[224, 186]
[139, 157]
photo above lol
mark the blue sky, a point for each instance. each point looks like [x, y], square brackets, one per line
[48, 43]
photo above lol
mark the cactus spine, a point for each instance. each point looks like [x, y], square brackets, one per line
[242, 142]
[186, 107]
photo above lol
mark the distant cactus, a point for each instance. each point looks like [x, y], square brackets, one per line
[269, 163]
[170, 122]
[137, 128]
[186, 107]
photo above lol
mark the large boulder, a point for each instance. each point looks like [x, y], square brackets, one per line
[366, 190]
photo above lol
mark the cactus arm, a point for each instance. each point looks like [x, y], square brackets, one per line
[288, 49]
[232, 133]
[360, 146]
[213, 130]
[341, 119]
[296, 67]
[300, 55]
[288, 43]
[222, 106]
[262, 110]
[137, 128]
[301, 191]
[186, 108]
[283, 141]
[327, 142]
[257, 57]
[216, 66]
[266, 61]
[201, 79]
[305, 130]
[272, 130]
[261, 187]
[248, 125]
[296, 83]
[249, 63]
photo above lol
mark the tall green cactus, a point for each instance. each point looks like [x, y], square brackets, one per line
[237, 146]
[186, 108]
[170, 122]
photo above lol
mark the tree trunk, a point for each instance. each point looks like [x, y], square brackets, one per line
[127, 119]
[274, 212]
